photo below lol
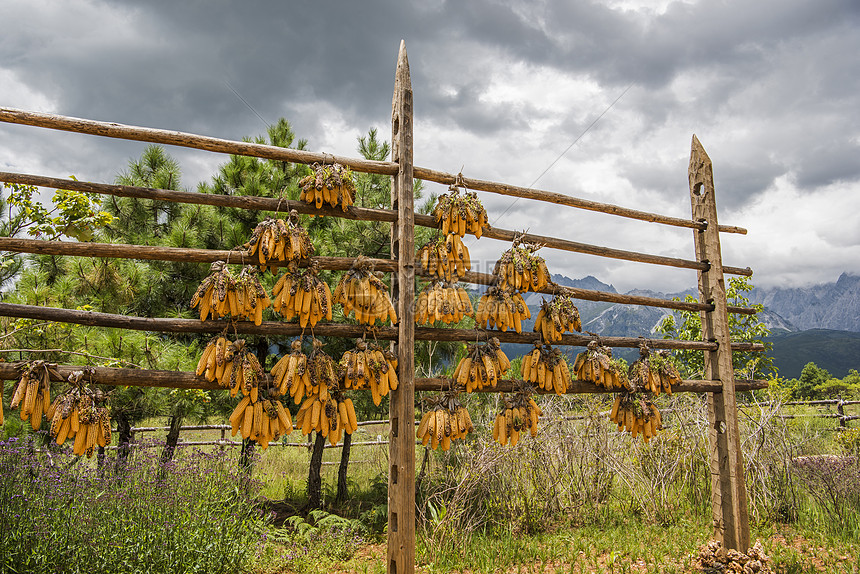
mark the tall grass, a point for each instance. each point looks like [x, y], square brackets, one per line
[579, 471]
[59, 514]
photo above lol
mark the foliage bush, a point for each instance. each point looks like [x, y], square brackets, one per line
[61, 514]
[303, 545]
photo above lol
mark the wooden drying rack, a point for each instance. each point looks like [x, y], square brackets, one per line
[729, 498]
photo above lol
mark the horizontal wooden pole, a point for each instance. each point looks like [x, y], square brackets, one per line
[282, 329]
[593, 295]
[182, 139]
[562, 199]
[185, 254]
[583, 387]
[187, 380]
[207, 143]
[249, 202]
[353, 212]
[175, 254]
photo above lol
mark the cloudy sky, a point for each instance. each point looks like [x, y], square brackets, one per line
[597, 100]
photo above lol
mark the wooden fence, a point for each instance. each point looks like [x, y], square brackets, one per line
[729, 499]
[839, 416]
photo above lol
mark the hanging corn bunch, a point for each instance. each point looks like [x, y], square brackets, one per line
[596, 365]
[330, 416]
[446, 257]
[301, 374]
[252, 297]
[360, 290]
[460, 213]
[300, 292]
[445, 302]
[262, 420]
[246, 373]
[279, 240]
[329, 183]
[501, 309]
[653, 372]
[369, 365]
[216, 296]
[636, 415]
[483, 366]
[546, 367]
[33, 391]
[216, 362]
[518, 415]
[557, 316]
[82, 414]
[521, 269]
[446, 420]
[290, 373]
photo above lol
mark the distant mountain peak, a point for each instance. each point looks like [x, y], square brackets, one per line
[588, 282]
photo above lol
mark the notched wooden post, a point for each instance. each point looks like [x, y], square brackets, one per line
[728, 489]
[401, 446]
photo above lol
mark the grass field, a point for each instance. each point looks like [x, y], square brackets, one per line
[579, 497]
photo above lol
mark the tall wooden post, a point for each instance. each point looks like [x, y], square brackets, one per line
[401, 445]
[728, 489]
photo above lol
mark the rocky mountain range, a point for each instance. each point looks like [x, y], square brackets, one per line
[820, 309]
[824, 306]
[834, 306]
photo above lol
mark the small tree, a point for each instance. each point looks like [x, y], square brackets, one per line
[743, 328]
[811, 383]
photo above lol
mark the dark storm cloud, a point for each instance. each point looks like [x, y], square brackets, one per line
[771, 87]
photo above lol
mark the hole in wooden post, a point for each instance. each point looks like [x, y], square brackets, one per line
[697, 189]
[393, 568]
[395, 127]
[393, 474]
[392, 523]
[720, 426]
[394, 427]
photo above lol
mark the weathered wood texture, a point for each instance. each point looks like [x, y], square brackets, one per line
[401, 440]
[183, 254]
[562, 199]
[114, 376]
[363, 213]
[169, 137]
[278, 328]
[176, 254]
[182, 139]
[728, 489]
